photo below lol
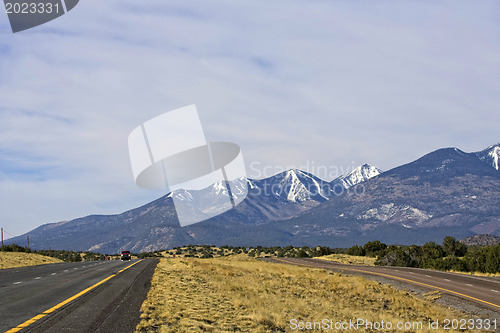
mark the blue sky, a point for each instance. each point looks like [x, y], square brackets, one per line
[294, 83]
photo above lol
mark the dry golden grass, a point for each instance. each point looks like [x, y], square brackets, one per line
[347, 259]
[20, 259]
[242, 294]
[368, 261]
[477, 273]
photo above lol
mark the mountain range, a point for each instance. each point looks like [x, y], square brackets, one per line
[481, 240]
[446, 192]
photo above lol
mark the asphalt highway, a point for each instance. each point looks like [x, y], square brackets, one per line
[74, 297]
[484, 291]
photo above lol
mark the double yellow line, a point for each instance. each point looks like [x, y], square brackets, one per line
[397, 278]
[66, 301]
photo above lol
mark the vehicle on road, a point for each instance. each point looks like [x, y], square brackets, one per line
[125, 255]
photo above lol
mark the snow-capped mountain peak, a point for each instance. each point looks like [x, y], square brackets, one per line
[491, 156]
[367, 171]
[299, 186]
[181, 195]
[219, 188]
[293, 188]
[358, 175]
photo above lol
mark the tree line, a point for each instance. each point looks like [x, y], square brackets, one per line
[450, 255]
[68, 256]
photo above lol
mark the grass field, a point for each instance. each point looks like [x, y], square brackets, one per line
[20, 259]
[477, 273]
[348, 259]
[238, 293]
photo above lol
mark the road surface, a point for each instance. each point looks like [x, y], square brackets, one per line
[99, 296]
[484, 291]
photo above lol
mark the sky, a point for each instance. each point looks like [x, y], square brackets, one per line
[312, 84]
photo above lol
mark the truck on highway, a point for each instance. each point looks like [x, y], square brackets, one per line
[125, 255]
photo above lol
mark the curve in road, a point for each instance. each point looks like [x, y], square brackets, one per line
[481, 290]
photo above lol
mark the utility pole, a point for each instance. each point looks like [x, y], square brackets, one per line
[28, 242]
[2, 236]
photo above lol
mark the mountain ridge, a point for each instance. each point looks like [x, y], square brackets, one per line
[491, 155]
[480, 240]
[445, 192]
[278, 197]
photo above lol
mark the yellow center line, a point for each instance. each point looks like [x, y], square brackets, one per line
[397, 278]
[66, 301]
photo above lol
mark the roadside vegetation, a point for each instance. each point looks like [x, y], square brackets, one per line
[240, 293]
[21, 259]
[350, 259]
[450, 256]
[211, 251]
[59, 255]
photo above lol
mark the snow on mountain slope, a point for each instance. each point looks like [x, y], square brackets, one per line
[394, 213]
[490, 156]
[299, 186]
[444, 193]
[293, 186]
[358, 175]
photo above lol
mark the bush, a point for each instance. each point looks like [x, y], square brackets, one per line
[373, 249]
[14, 248]
[484, 259]
[394, 256]
[302, 254]
[452, 247]
[356, 250]
[322, 251]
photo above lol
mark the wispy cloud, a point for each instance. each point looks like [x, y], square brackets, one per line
[334, 82]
